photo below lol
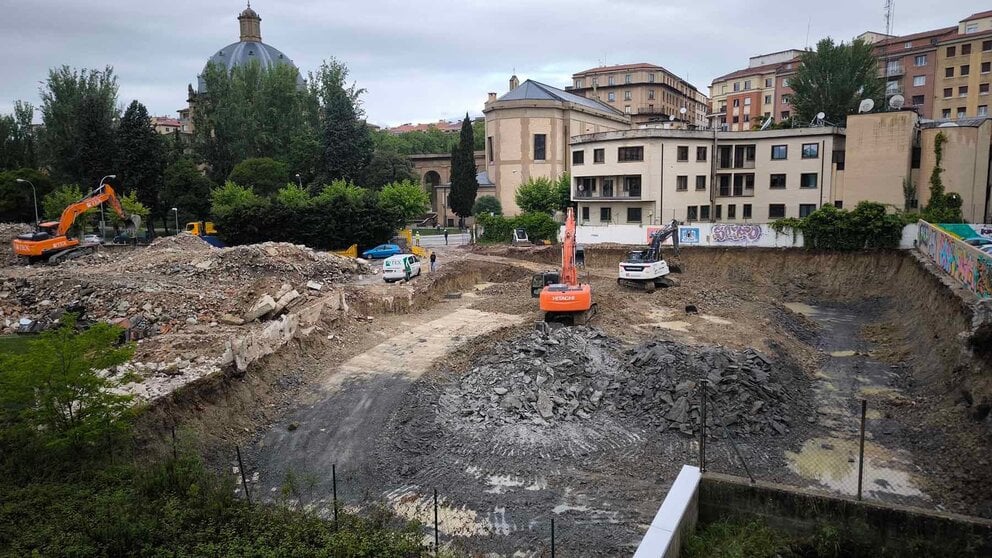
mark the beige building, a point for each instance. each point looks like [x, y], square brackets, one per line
[742, 99]
[646, 92]
[650, 176]
[964, 69]
[165, 124]
[528, 132]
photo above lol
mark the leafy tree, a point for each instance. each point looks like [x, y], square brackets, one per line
[538, 195]
[132, 205]
[17, 199]
[55, 202]
[942, 207]
[479, 134]
[497, 228]
[78, 112]
[185, 188]
[55, 387]
[230, 196]
[486, 205]
[387, 167]
[293, 196]
[408, 198]
[264, 174]
[140, 156]
[908, 193]
[464, 184]
[345, 140]
[563, 189]
[17, 142]
[834, 79]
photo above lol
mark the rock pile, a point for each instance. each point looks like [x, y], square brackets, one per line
[8, 231]
[575, 374]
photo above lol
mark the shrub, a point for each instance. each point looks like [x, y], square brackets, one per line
[486, 205]
[538, 195]
[868, 226]
[263, 174]
[406, 197]
[539, 227]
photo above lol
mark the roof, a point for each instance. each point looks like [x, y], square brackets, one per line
[483, 179]
[620, 68]
[531, 90]
[165, 121]
[974, 122]
[243, 52]
[921, 35]
[440, 125]
[757, 70]
[979, 15]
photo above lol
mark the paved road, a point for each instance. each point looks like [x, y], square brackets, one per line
[438, 240]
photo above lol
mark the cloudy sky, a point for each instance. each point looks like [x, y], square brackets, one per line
[424, 60]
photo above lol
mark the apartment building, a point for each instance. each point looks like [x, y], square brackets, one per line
[964, 69]
[650, 176]
[646, 92]
[165, 124]
[908, 64]
[742, 99]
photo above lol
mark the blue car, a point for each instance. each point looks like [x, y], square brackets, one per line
[381, 251]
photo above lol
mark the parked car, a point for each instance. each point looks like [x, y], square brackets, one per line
[92, 239]
[381, 251]
[395, 267]
[978, 241]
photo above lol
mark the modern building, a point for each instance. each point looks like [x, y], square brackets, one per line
[964, 69]
[743, 99]
[650, 176]
[528, 131]
[646, 92]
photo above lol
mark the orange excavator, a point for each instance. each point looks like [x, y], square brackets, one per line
[50, 242]
[567, 301]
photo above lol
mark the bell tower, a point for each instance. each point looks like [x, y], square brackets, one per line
[251, 25]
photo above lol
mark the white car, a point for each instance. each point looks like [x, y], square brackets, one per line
[92, 239]
[394, 268]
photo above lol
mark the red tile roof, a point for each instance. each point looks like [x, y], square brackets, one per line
[165, 121]
[979, 15]
[921, 35]
[619, 68]
[764, 69]
[440, 125]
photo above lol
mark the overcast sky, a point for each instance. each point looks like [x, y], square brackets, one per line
[425, 60]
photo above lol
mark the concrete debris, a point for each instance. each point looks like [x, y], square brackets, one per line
[263, 306]
[576, 373]
[8, 231]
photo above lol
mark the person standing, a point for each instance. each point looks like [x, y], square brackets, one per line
[433, 262]
[418, 238]
[445, 236]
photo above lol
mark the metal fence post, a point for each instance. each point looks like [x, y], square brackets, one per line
[702, 425]
[861, 451]
[241, 469]
[552, 537]
[437, 535]
[334, 493]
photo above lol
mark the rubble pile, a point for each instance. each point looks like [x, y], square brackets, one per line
[8, 231]
[574, 374]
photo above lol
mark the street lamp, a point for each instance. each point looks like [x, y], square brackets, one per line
[300, 180]
[176, 209]
[103, 222]
[34, 194]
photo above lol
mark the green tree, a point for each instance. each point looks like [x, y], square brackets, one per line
[55, 387]
[187, 189]
[55, 202]
[464, 183]
[17, 142]
[387, 167]
[264, 174]
[132, 205]
[17, 199]
[942, 207]
[345, 140]
[78, 111]
[225, 199]
[140, 157]
[538, 195]
[563, 189]
[487, 205]
[479, 134]
[834, 79]
[408, 198]
[293, 196]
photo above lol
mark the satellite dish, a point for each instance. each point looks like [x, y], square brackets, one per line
[821, 115]
[866, 106]
[897, 101]
[948, 125]
[672, 118]
[766, 123]
[683, 110]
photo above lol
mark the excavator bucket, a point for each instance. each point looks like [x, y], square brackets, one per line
[133, 223]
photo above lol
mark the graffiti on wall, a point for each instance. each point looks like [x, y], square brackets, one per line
[689, 235]
[964, 263]
[736, 233]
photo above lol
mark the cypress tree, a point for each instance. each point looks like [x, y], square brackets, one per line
[140, 156]
[345, 142]
[464, 185]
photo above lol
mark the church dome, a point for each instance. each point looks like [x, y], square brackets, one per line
[250, 47]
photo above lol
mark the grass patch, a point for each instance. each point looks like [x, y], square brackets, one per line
[14, 344]
[725, 539]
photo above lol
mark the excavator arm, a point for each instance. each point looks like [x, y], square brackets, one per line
[105, 193]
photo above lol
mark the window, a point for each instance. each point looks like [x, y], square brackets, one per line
[983, 89]
[768, 99]
[736, 119]
[918, 100]
[914, 158]
[961, 112]
[776, 210]
[732, 211]
[780, 152]
[737, 86]
[768, 82]
[966, 49]
[986, 46]
[595, 81]
[743, 185]
[965, 69]
[785, 99]
[599, 155]
[747, 85]
[626, 109]
[611, 96]
[579, 82]
[724, 184]
[650, 94]
[612, 80]
[805, 209]
[605, 215]
[683, 152]
[946, 113]
[808, 180]
[585, 187]
[626, 95]
[681, 183]
[651, 77]
[811, 150]
[948, 91]
[919, 81]
[633, 214]
[585, 213]
[907, 44]
[701, 153]
[737, 102]
[969, 28]
[839, 204]
[747, 101]
[777, 182]
[920, 60]
[578, 157]
[632, 185]
[747, 211]
[983, 110]
[691, 214]
[718, 213]
[952, 51]
[986, 66]
[630, 154]
[627, 79]
[785, 82]
[700, 182]
[949, 72]
[704, 213]
[489, 148]
[785, 115]
[540, 141]
[893, 67]
[963, 91]
[839, 159]
[607, 187]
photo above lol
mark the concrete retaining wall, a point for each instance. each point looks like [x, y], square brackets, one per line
[676, 518]
[965, 263]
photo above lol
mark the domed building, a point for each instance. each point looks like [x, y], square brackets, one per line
[248, 48]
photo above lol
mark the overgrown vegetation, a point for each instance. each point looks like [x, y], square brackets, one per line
[942, 207]
[71, 484]
[497, 228]
[868, 226]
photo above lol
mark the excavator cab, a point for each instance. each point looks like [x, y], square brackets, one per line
[541, 280]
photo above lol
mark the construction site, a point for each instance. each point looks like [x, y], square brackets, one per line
[387, 394]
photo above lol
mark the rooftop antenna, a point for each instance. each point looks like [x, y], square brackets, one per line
[808, 20]
[889, 6]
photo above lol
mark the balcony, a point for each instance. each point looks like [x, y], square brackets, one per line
[580, 195]
[893, 69]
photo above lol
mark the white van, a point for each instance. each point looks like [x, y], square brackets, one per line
[394, 268]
